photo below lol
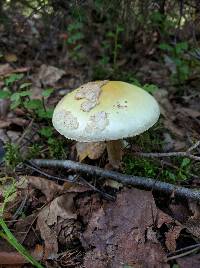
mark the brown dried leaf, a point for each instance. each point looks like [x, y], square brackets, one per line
[190, 261]
[49, 237]
[171, 237]
[49, 188]
[4, 124]
[193, 223]
[189, 112]
[10, 57]
[5, 69]
[93, 150]
[4, 107]
[117, 232]
[62, 207]
[49, 75]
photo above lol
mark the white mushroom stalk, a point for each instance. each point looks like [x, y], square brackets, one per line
[106, 111]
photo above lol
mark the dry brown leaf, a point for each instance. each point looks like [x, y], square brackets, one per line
[187, 111]
[124, 223]
[5, 69]
[4, 124]
[176, 130]
[190, 261]
[49, 75]
[113, 184]
[4, 107]
[193, 222]
[49, 236]
[49, 188]
[15, 258]
[63, 207]
[171, 237]
[93, 150]
[10, 57]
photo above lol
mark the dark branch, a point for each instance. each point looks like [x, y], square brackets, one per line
[140, 182]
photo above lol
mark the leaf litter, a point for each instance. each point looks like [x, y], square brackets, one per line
[126, 232]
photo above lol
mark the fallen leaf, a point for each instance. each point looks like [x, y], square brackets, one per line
[187, 111]
[193, 222]
[63, 207]
[49, 75]
[49, 188]
[190, 261]
[3, 137]
[4, 107]
[49, 237]
[116, 232]
[93, 150]
[13, 135]
[10, 57]
[113, 184]
[15, 258]
[5, 69]
[171, 237]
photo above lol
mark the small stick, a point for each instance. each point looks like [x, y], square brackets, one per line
[160, 155]
[135, 181]
[182, 154]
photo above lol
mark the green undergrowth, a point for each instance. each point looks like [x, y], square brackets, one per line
[152, 168]
[8, 194]
[173, 169]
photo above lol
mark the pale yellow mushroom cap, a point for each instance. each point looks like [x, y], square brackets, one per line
[105, 110]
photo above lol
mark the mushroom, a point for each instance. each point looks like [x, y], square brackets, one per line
[105, 111]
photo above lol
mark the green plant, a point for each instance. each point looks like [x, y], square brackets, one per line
[12, 155]
[23, 98]
[177, 55]
[55, 145]
[107, 64]
[74, 39]
[7, 234]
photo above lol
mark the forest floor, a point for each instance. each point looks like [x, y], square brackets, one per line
[67, 219]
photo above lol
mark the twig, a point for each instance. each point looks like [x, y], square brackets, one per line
[181, 250]
[140, 182]
[182, 254]
[75, 179]
[182, 154]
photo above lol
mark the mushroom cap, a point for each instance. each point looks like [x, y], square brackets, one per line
[105, 110]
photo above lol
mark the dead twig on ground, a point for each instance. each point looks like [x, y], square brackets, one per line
[140, 182]
[183, 252]
[75, 179]
[187, 153]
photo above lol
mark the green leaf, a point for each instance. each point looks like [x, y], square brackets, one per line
[185, 162]
[25, 93]
[4, 94]
[180, 47]
[166, 47]
[15, 96]
[12, 78]
[46, 132]
[25, 85]
[120, 29]
[150, 88]
[33, 104]
[45, 114]
[47, 92]
[15, 104]
[110, 34]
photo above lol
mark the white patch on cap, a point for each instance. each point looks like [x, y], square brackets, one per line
[65, 120]
[91, 92]
[97, 122]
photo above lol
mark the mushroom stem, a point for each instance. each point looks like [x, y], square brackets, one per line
[114, 149]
